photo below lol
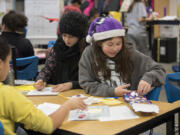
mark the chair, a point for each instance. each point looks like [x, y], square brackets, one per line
[176, 68]
[27, 67]
[1, 129]
[154, 94]
[172, 90]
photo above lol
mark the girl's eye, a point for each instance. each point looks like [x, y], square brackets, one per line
[64, 35]
[109, 44]
[118, 44]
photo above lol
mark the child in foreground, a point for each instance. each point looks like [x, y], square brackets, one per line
[17, 108]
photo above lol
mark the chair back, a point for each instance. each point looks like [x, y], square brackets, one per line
[1, 129]
[171, 87]
[176, 68]
[154, 94]
[51, 43]
[27, 67]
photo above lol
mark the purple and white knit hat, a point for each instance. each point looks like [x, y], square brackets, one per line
[103, 28]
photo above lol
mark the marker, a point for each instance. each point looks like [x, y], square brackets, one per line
[112, 97]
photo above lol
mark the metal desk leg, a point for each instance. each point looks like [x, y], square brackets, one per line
[170, 126]
[179, 123]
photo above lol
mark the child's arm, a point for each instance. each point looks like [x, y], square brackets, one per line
[121, 90]
[39, 85]
[143, 87]
[46, 72]
[63, 87]
[59, 116]
[19, 109]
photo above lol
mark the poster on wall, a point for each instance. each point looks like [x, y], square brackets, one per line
[39, 12]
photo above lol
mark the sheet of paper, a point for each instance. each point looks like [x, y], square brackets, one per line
[92, 113]
[46, 91]
[25, 87]
[110, 101]
[48, 108]
[169, 18]
[23, 82]
[89, 100]
[119, 113]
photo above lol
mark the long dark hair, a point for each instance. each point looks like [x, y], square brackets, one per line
[123, 62]
[4, 49]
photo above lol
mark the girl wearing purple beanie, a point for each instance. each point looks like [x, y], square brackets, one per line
[111, 67]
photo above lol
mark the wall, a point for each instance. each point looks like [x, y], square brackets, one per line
[172, 7]
[159, 7]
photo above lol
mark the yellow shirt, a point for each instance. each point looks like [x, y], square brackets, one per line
[14, 107]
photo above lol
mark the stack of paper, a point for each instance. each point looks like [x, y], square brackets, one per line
[44, 92]
[147, 108]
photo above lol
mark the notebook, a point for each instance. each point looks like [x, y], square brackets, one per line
[47, 91]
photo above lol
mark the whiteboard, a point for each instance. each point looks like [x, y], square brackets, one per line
[40, 30]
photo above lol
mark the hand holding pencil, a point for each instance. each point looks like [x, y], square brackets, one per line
[39, 85]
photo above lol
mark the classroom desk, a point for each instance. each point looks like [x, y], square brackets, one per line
[159, 22]
[177, 106]
[121, 127]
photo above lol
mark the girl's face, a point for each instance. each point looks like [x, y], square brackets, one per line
[69, 40]
[4, 68]
[112, 47]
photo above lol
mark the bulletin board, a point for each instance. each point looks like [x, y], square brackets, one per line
[40, 30]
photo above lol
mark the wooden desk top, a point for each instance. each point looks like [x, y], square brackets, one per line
[97, 127]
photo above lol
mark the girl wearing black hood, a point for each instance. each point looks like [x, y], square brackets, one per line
[61, 67]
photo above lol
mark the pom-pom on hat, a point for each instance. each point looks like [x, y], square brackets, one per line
[74, 23]
[103, 28]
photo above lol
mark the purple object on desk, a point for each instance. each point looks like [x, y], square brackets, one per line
[164, 10]
[133, 97]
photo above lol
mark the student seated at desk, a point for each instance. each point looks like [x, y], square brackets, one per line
[109, 67]
[13, 27]
[61, 66]
[17, 108]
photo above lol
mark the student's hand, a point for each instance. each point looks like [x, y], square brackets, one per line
[121, 90]
[143, 87]
[39, 85]
[62, 87]
[76, 103]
